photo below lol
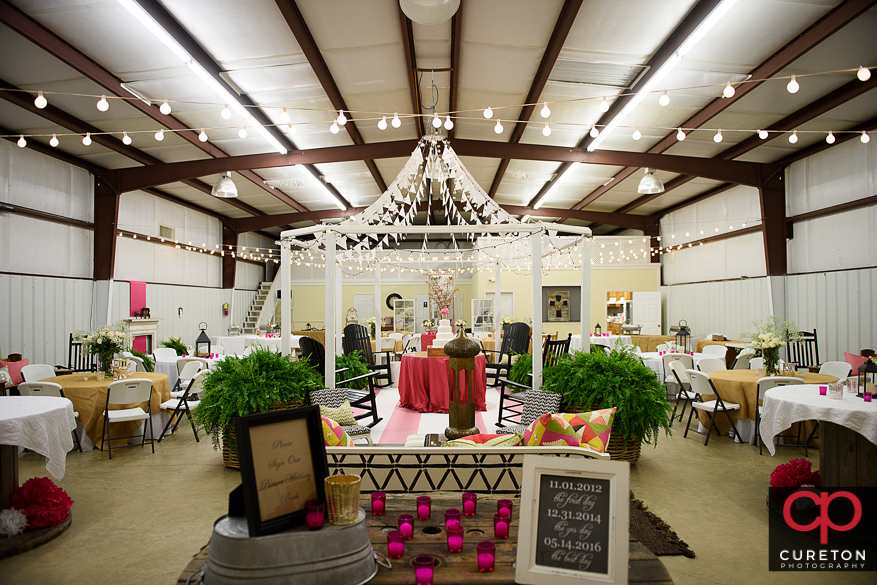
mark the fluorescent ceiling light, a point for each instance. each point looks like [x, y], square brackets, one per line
[557, 181]
[312, 176]
[665, 68]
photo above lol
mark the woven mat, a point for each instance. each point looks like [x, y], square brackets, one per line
[654, 533]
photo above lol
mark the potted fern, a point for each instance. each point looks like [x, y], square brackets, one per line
[175, 343]
[590, 381]
[261, 381]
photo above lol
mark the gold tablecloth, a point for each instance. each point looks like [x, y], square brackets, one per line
[318, 334]
[649, 343]
[89, 398]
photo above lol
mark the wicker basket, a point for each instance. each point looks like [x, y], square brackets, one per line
[229, 454]
[342, 498]
[620, 447]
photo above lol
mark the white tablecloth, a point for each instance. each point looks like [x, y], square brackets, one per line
[786, 405]
[607, 340]
[238, 343]
[40, 423]
[169, 369]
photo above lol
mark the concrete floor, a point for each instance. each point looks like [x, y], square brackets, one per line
[141, 517]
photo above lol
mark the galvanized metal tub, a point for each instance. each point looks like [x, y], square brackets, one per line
[341, 555]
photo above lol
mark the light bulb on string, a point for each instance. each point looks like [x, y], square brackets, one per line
[159, 135]
[284, 117]
[718, 137]
[382, 123]
[664, 100]
[793, 86]
[225, 113]
[637, 134]
[334, 127]
[202, 136]
[54, 141]
[545, 112]
[865, 138]
[498, 128]
[341, 119]
[396, 122]
[546, 131]
[830, 138]
[102, 104]
[436, 121]
[126, 140]
[680, 135]
[165, 108]
[40, 101]
[864, 74]
[488, 113]
[729, 90]
[594, 132]
[449, 124]
[242, 133]
[86, 140]
[291, 129]
[794, 137]
[21, 141]
[604, 105]
[762, 134]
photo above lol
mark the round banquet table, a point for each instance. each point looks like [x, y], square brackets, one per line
[847, 431]
[40, 423]
[423, 383]
[89, 399]
[169, 368]
[606, 340]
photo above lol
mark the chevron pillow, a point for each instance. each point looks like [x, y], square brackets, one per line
[343, 415]
[485, 440]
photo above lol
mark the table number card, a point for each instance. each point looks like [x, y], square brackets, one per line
[574, 522]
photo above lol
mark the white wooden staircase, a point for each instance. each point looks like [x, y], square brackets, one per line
[251, 321]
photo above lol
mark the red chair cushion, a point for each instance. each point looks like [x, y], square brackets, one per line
[855, 361]
[15, 369]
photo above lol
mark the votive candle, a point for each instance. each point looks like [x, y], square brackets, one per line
[455, 538]
[823, 390]
[470, 502]
[424, 506]
[395, 544]
[423, 569]
[406, 526]
[314, 514]
[379, 502]
[504, 507]
[867, 397]
[486, 555]
[452, 517]
[501, 525]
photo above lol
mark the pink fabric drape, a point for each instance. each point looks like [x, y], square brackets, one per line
[423, 383]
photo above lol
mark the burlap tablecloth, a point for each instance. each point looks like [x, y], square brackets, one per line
[649, 343]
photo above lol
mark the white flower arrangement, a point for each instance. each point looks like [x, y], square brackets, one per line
[461, 323]
[104, 340]
[370, 321]
[770, 332]
[427, 323]
[507, 320]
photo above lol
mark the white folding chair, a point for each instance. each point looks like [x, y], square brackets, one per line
[741, 362]
[48, 389]
[395, 335]
[711, 365]
[756, 363]
[126, 354]
[387, 344]
[661, 347]
[37, 372]
[127, 392]
[187, 373]
[718, 350]
[669, 379]
[839, 370]
[136, 364]
[184, 405]
[765, 384]
[166, 354]
[702, 384]
[685, 394]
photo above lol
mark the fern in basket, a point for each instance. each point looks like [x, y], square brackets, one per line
[356, 366]
[175, 343]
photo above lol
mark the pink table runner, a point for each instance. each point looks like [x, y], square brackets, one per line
[423, 383]
[426, 340]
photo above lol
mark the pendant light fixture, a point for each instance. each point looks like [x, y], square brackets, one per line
[224, 188]
[429, 11]
[650, 184]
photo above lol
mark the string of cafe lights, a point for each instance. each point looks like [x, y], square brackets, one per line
[339, 118]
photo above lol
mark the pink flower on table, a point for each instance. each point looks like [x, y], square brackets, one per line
[444, 312]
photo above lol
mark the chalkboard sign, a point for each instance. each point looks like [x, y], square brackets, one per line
[574, 521]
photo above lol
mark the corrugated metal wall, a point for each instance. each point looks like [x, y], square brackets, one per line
[242, 301]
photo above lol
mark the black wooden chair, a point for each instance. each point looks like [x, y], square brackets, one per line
[313, 352]
[805, 352]
[356, 338]
[79, 360]
[511, 402]
[515, 340]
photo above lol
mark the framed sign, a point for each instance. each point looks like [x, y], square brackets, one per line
[574, 522]
[283, 464]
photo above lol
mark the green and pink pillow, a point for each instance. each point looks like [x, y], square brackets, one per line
[334, 435]
[485, 440]
[584, 429]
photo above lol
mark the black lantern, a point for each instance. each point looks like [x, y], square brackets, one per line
[597, 329]
[868, 367]
[682, 337]
[202, 344]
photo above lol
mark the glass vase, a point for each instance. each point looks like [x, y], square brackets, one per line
[771, 357]
[105, 363]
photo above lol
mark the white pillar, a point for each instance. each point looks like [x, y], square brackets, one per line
[586, 294]
[340, 315]
[285, 286]
[330, 308]
[536, 264]
[378, 319]
[497, 305]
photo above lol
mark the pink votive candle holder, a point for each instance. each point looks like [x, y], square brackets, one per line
[504, 507]
[379, 503]
[501, 525]
[867, 397]
[315, 513]
[406, 526]
[395, 544]
[423, 569]
[452, 517]
[470, 502]
[455, 538]
[823, 390]
[486, 555]
[424, 506]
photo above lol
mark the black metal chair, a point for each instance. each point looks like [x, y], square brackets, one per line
[77, 359]
[805, 352]
[516, 395]
[515, 340]
[356, 338]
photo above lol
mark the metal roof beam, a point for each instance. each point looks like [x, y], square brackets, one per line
[456, 45]
[411, 69]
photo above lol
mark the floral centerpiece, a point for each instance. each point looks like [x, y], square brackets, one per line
[105, 343]
[506, 321]
[428, 325]
[460, 323]
[371, 323]
[770, 335]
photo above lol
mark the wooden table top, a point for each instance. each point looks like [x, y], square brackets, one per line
[429, 538]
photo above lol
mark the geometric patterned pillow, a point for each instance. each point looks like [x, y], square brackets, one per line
[592, 428]
[551, 429]
[334, 435]
[343, 415]
[485, 440]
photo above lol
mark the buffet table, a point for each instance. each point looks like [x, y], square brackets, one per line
[648, 343]
[423, 383]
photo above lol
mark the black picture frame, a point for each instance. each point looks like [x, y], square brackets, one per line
[283, 464]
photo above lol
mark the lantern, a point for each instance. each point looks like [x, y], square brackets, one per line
[202, 344]
[682, 337]
[597, 329]
[461, 403]
[866, 384]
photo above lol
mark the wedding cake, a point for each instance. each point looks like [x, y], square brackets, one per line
[445, 333]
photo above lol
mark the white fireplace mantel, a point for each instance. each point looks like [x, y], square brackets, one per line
[136, 327]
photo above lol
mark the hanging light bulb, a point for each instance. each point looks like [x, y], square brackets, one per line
[382, 124]
[334, 128]
[604, 105]
[396, 122]
[637, 134]
[718, 137]
[102, 104]
[86, 140]
[54, 141]
[160, 135]
[165, 108]
[545, 112]
[488, 113]
[291, 129]
[449, 124]
[830, 138]
[762, 134]
[794, 137]
[729, 91]
[21, 141]
[40, 101]
[793, 86]
[864, 74]
[202, 136]
[126, 140]
[680, 135]
[341, 119]
[594, 132]
[436, 121]
[664, 100]
[242, 133]
[498, 127]
[546, 131]
[865, 138]
[225, 113]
